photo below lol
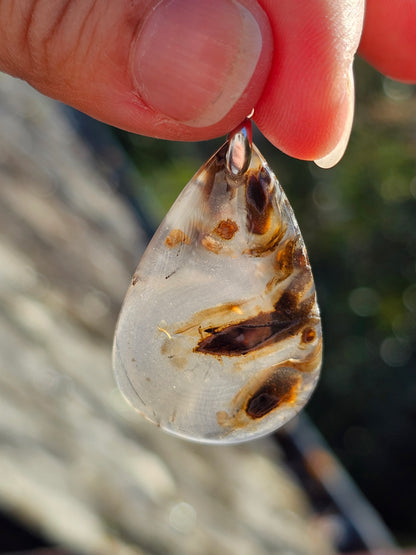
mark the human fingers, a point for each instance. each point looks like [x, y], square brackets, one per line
[307, 106]
[389, 38]
[175, 69]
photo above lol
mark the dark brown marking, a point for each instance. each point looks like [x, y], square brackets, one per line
[284, 264]
[308, 335]
[284, 259]
[290, 256]
[226, 229]
[268, 247]
[259, 331]
[177, 237]
[259, 202]
[280, 388]
[301, 281]
[135, 279]
[300, 258]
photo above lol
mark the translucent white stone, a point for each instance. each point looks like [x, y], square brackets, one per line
[219, 338]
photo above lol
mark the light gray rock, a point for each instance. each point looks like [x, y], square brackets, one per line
[76, 462]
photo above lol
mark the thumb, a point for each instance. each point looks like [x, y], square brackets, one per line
[175, 69]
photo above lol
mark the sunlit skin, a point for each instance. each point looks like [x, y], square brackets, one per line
[84, 53]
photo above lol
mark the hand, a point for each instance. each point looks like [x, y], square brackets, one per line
[192, 70]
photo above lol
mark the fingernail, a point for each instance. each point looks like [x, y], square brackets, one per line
[193, 60]
[333, 157]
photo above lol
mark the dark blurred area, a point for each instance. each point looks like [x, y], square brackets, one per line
[359, 223]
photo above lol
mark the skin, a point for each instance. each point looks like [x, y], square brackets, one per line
[123, 63]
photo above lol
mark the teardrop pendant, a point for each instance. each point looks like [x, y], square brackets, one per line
[219, 337]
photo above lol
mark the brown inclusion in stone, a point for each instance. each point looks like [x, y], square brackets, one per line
[261, 330]
[279, 389]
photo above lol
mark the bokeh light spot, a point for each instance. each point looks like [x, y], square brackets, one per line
[364, 301]
[182, 517]
[395, 352]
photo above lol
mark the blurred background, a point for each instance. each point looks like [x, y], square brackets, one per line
[78, 201]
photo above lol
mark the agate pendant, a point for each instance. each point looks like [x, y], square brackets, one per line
[219, 337]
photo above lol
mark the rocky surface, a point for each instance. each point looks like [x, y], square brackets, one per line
[76, 462]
